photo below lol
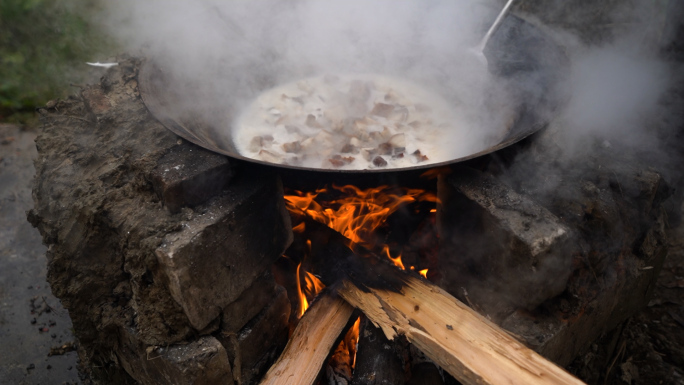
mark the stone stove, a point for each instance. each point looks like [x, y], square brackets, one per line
[163, 252]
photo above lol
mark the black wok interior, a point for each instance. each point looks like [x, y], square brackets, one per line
[530, 63]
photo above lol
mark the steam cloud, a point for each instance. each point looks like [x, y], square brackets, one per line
[226, 52]
[229, 51]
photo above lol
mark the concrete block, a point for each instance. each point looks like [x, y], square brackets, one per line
[498, 246]
[189, 175]
[224, 246]
[560, 336]
[257, 345]
[201, 362]
[250, 303]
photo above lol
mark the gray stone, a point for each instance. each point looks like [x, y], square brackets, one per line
[561, 337]
[200, 362]
[226, 244]
[505, 249]
[188, 175]
[250, 303]
[254, 348]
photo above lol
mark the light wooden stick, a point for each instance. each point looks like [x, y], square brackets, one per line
[467, 345]
[310, 343]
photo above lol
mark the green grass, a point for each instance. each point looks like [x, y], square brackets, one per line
[43, 43]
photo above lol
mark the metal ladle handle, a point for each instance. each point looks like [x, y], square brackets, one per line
[494, 27]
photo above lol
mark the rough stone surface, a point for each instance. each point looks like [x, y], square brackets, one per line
[228, 243]
[188, 176]
[252, 301]
[614, 206]
[257, 345]
[99, 215]
[201, 362]
[509, 251]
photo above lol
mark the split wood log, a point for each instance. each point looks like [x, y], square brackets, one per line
[461, 341]
[310, 344]
[467, 345]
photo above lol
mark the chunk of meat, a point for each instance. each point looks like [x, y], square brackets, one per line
[339, 161]
[312, 122]
[382, 109]
[379, 161]
[419, 157]
[292, 147]
[385, 149]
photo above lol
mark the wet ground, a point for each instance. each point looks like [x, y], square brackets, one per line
[32, 321]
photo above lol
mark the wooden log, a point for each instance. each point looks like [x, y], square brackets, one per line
[467, 345]
[461, 341]
[310, 344]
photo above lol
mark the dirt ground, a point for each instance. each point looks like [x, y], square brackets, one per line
[32, 320]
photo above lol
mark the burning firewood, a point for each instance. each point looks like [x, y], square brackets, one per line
[464, 343]
[470, 347]
[311, 342]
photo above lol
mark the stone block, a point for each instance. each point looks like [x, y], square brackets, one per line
[561, 337]
[224, 246]
[200, 362]
[252, 301]
[189, 175]
[257, 345]
[500, 247]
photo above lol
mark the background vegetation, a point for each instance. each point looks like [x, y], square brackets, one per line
[44, 45]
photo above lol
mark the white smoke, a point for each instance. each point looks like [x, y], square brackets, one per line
[226, 52]
[230, 51]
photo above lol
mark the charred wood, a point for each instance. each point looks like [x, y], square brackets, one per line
[425, 373]
[378, 360]
[467, 345]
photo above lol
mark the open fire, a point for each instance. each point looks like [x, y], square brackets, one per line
[358, 214]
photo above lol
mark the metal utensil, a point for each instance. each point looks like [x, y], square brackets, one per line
[479, 49]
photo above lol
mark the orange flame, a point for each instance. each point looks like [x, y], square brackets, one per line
[352, 340]
[423, 273]
[299, 228]
[312, 286]
[396, 260]
[303, 302]
[359, 212]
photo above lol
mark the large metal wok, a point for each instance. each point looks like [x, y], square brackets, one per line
[520, 54]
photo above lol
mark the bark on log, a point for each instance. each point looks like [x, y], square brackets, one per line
[310, 344]
[461, 341]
